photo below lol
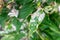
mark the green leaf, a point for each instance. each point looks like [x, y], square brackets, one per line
[35, 21]
[16, 23]
[22, 1]
[26, 10]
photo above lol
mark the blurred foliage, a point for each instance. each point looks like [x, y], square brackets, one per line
[30, 19]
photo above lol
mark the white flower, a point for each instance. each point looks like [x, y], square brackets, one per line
[13, 13]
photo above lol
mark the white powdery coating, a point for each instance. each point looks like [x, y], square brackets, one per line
[37, 14]
[13, 13]
[32, 20]
[6, 31]
[5, 27]
[59, 8]
[41, 17]
[24, 32]
[1, 32]
[24, 38]
[21, 20]
[35, 0]
[43, 1]
[13, 27]
[59, 26]
[23, 26]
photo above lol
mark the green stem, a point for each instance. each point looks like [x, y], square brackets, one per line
[40, 35]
